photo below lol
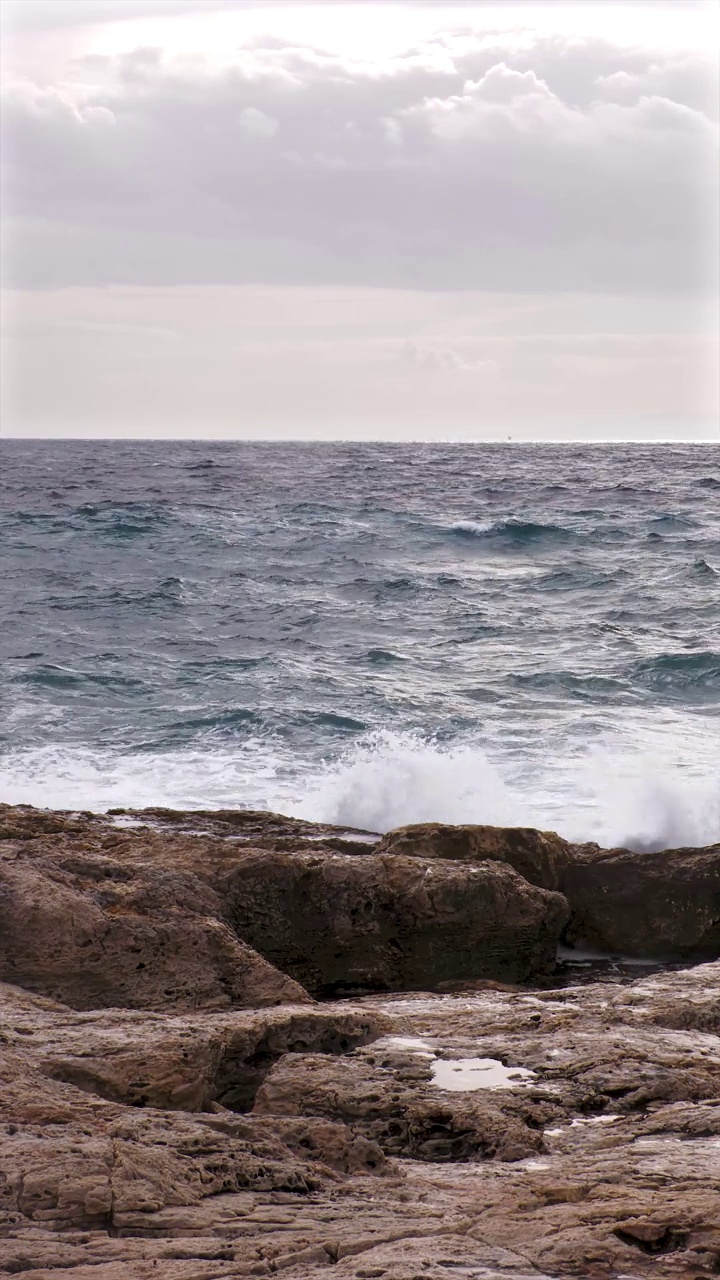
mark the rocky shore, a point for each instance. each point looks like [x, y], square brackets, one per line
[236, 1044]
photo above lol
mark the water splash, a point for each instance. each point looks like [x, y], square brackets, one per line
[614, 794]
[617, 793]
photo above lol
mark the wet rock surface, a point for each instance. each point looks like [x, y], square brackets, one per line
[187, 1125]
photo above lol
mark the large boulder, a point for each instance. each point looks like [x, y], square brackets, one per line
[340, 923]
[94, 933]
[653, 905]
[539, 856]
[664, 905]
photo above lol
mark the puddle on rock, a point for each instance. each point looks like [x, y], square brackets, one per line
[460, 1075]
[410, 1044]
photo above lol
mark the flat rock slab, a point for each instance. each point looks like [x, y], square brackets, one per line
[601, 1157]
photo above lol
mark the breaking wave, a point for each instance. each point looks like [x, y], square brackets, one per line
[512, 532]
[367, 634]
[641, 799]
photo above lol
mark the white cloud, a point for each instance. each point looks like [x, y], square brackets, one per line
[256, 124]
[477, 230]
[482, 162]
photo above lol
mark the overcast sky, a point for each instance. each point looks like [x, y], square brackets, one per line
[374, 220]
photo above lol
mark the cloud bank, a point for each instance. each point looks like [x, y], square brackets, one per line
[479, 232]
[495, 161]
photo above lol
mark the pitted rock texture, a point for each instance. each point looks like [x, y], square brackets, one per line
[180, 1135]
[95, 933]
[341, 923]
[663, 904]
[679, 888]
[161, 917]
[602, 1165]
[539, 856]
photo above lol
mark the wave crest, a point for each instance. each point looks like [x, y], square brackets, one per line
[607, 795]
[518, 532]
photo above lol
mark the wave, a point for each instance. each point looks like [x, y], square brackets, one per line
[597, 690]
[122, 522]
[383, 657]
[616, 797]
[55, 677]
[680, 674]
[580, 577]
[519, 532]
[668, 520]
[471, 528]
[644, 797]
[704, 570]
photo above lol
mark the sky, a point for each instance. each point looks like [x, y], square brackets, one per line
[369, 221]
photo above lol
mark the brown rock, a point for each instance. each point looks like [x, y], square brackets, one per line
[539, 856]
[199, 1144]
[388, 1096]
[663, 904]
[341, 923]
[583, 1170]
[253, 827]
[94, 933]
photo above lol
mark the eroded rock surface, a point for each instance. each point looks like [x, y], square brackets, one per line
[158, 917]
[495, 1133]
[646, 904]
[651, 904]
[92, 932]
[539, 856]
[340, 923]
[593, 1151]
[679, 889]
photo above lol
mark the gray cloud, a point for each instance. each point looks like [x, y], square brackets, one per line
[469, 163]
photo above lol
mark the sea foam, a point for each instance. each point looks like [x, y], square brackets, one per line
[614, 794]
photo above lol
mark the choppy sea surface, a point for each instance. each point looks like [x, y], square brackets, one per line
[366, 634]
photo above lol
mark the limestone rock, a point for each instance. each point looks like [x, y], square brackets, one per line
[256, 828]
[341, 923]
[495, 1133]
[600, 1163]
[539, 856]
[94, 933]
[663, 904]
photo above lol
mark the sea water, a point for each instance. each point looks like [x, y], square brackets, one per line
[366, 634]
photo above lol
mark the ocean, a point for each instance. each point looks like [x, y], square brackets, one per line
[366, 634]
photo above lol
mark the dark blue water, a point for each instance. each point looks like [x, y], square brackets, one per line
[369, 634]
